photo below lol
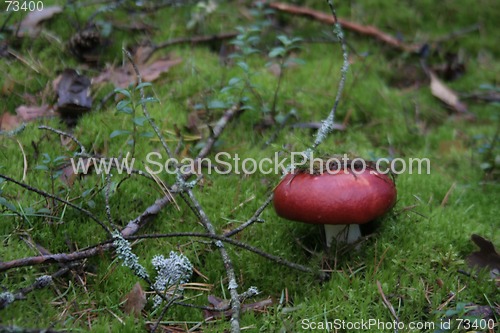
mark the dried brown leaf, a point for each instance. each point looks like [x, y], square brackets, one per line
[445, 94]
[8, 121]
[135, 301]
[30, 113]
[486, 257]
[68, 175]
[29, 26]
[121, 77]
[153, 71]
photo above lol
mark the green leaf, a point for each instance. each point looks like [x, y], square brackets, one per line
[216, 104]
[246, 107]
[234, 80]
[144, 84]
[46, 158]
[277, 51]
[118, 132]
[123, 103]
[243, 65]
[42, 167]
[123, 107]
[44, 211]
[147, 134]
[123, 92]
[59, 159]
[226, 89]
[149, 100]
[87, 192]
[139, 121]
[284, 40]
[7, 204]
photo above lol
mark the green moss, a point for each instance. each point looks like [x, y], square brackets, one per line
[423, 241]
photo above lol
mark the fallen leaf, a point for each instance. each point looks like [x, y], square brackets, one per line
[135, 301]
[8, 121]
[486, 257]
[446, 95]
[29, 113]
[121, 77]
[143, 53]
[153, 71]
[481, 311]
[68, 176]
[73, 91]
[29, 26]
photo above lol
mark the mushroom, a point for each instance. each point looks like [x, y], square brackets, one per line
[340, 199]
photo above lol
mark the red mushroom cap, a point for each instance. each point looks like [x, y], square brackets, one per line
[341, 198]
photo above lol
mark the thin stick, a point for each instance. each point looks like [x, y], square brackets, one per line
[328, 124]
[217, 131]
[253, 219]
[228, 265]
[387, 303]
[191, 40]
[356, 27]
[53, 197]
[72, 137]
[134, 225]
[104, 246]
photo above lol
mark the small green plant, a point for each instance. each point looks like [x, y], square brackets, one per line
[240, 88]
[460, 319]
[128, 105]
[54, 168]
[283, 53]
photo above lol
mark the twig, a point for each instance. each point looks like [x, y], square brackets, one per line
[348, 25]
[15, 131]
[328, 123]
[253, 219]
[217, 131]
[447, 195]
[106, 200]
[71, 136]
[53, 197]
[134, 225]
[104, 246]
[388, 305]
[163, 313]
[232, 284]
[191, 40]
[104, 100]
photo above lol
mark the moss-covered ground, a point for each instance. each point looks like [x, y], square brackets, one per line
[418, 252]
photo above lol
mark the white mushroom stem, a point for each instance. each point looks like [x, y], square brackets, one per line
[343, 233]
